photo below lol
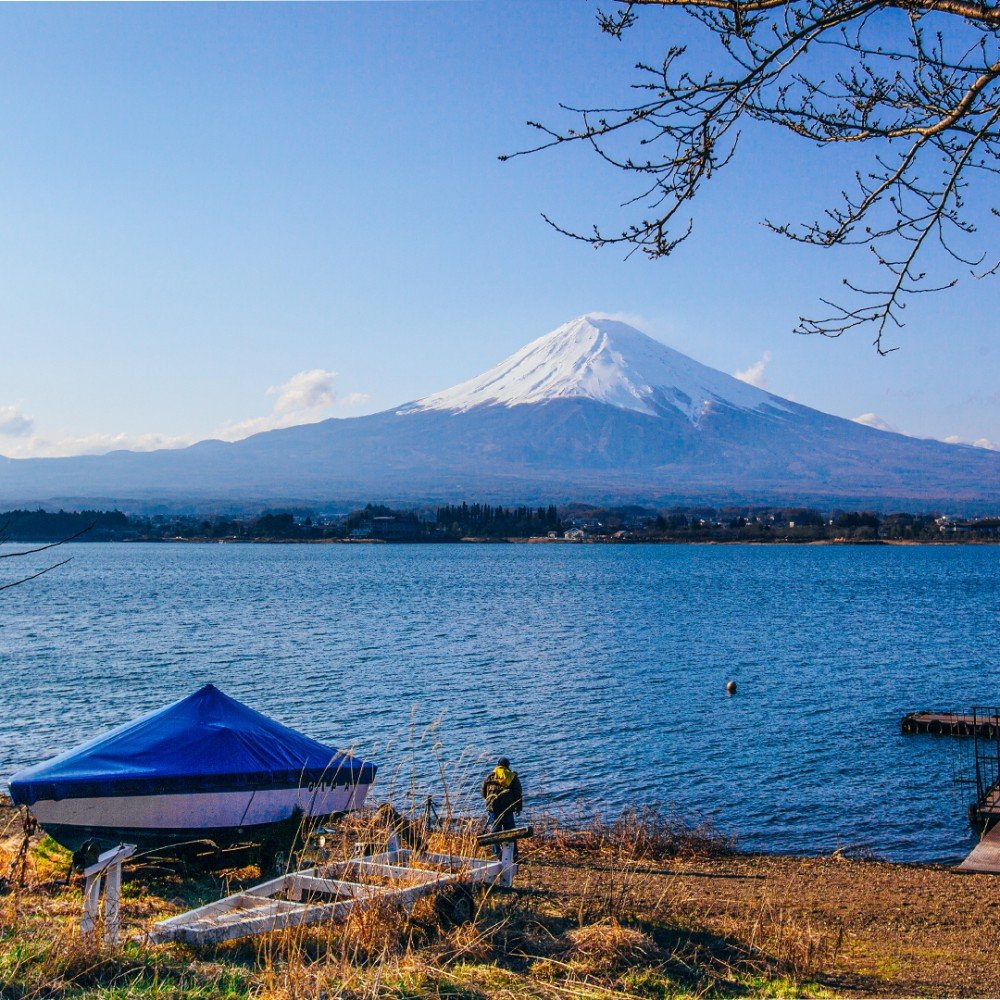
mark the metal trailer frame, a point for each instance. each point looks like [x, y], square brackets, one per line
[396, 877]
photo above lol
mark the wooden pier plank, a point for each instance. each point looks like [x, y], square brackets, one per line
[985, 856]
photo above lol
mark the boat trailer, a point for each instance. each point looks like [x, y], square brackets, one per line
[330, 892]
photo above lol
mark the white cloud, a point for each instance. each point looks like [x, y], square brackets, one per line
[311, 390]
[37, 446]
[99, 444]
[13, 423]
[257, 425]
[754, 375]
[305, 398]
[874, 420]
[354, 399]
[982, 442]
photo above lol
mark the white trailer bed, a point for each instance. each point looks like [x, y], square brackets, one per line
[332, 891]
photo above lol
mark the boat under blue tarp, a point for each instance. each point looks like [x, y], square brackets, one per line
[206, 765]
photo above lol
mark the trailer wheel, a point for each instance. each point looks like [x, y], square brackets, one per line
[456, 905]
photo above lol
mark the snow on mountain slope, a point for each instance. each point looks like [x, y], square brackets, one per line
[606, 361]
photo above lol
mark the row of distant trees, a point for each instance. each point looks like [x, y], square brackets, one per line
[482, 520]
[372, 520]
[486, 520]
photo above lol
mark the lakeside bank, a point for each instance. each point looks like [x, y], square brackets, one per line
[544, 540]
[625, 910]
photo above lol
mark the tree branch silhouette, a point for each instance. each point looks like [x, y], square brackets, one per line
[918, 82]
[21, 553]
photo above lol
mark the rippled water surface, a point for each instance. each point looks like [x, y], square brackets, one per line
[599, 669]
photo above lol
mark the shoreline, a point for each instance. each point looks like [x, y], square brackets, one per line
[753, 543]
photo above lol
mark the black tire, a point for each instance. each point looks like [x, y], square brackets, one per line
[456, 905]
[87, 854]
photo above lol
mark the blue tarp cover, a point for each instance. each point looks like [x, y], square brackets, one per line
[206, 742]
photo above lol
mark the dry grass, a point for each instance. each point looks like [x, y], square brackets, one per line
[623, 856]
[645, 906]
[515, 946]
[651, 833]
[606, 950]
[802, 950]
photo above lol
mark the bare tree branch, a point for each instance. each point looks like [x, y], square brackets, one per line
[34, 576]
[45, 548]
[5, 535]
[984, 13]
[920, 81]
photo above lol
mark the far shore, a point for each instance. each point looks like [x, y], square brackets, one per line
[472, 540]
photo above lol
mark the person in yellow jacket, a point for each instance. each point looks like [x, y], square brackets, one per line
[504, 798]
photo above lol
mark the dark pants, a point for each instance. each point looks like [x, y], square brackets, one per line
[499, 822]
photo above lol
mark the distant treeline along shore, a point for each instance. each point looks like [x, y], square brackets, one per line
[489, 522]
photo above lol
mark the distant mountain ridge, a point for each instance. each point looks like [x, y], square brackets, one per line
[593, 411]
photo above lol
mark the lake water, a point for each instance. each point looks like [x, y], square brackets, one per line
[600, 670]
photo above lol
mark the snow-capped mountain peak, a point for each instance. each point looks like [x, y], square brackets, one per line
[607, 361]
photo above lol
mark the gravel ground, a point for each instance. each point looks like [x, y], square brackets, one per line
[864, 928]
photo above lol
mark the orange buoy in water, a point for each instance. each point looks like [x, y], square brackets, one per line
[731, 687]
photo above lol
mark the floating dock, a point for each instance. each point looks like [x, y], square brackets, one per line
[951, 724]
[982, 725]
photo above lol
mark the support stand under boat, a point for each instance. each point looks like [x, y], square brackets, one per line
[283, 842]
[106, 870]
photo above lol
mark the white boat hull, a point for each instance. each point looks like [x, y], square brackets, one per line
[222, 817]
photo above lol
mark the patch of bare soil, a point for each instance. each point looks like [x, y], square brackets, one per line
[865, 928]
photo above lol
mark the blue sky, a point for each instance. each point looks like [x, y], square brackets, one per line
[207, 210]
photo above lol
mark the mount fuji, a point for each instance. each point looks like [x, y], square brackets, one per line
[593, 411]
[607, 362]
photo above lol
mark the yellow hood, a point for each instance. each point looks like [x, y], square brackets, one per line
[503, 776]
